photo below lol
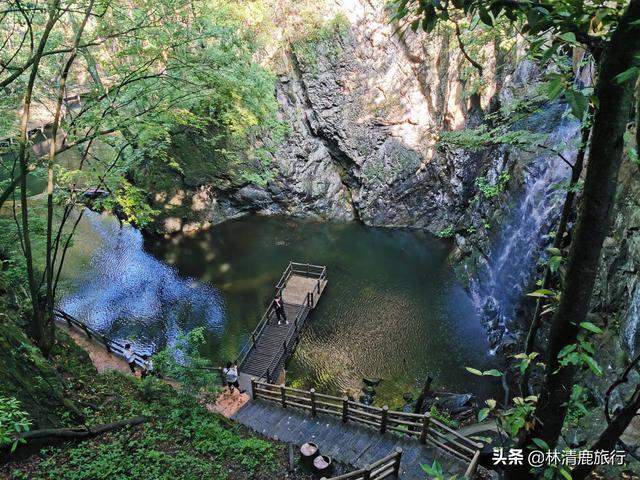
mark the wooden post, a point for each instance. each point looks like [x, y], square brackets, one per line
[396, 465]
[105, 340]
[345, 409]
[307, 269]
[253, 392]
[86, 330]
[311, 299]
[312, 395]
[425, 428]
[318, 286]
[283, 396]
[423, 394]
[384, 419]
[473, 466]
[367, 473]
[253, 338]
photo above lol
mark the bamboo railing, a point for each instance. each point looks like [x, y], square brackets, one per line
[383, 468]
[423, 427]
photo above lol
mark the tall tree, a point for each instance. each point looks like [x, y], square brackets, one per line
[154, 66]
[614, 101]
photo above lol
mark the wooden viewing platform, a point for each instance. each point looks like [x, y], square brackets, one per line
[270, 345]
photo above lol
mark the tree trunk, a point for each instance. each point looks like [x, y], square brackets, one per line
[50, 257]
[37, 323]
[605, 155]
[77, 433]
[610, 436]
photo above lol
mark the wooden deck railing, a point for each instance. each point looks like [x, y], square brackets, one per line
[383, 468]
[288, 345]
[305, 269]
[422, 427]
[114, 346]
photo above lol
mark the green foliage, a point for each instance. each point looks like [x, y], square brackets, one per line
[519, 416]
[525, 360]
[132, 203]
[184, 442]
[489, 190]
[487, 373]
[484, 412]
[181, 439]
[482, 137]
[578, 405]
[322, 40]
[447, 232]
[183, 362]
[443, 416]
[13, 421]
[631, 148]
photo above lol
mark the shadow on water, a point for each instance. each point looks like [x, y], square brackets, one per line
[392, 308]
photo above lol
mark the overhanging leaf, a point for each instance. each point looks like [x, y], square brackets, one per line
[542, 444]
[578, 103]
[627, 75]
[591, 327]
[592, 364]
[542, 293]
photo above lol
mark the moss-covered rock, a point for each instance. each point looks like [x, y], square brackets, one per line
[29, 377]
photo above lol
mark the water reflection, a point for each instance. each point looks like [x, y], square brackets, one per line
[126, 293]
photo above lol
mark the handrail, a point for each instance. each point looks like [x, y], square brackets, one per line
[421, 426]
[389, 465]
[292, 335]
[314, 271]
[112, 346]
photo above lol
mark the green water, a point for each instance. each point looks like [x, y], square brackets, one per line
[392, 308]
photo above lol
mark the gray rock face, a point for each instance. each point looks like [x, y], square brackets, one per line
[617, 291]
[363, 108]
[363, 115]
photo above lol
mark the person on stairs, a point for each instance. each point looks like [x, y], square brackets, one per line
[147, 366]
[278, 306]
[130, 358]
[231, 377]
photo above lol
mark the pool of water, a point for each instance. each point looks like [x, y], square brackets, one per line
[392, 308]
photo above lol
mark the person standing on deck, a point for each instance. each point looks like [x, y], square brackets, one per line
[129, 358]
[278, 306]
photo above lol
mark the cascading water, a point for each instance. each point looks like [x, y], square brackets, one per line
[128, 294]
[526, 232]
[631, 331]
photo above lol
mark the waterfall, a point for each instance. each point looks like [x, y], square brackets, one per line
[631, 332]
[128, 294]
[525, 233]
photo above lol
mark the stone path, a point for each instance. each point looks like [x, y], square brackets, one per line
[349, 443]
